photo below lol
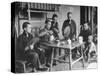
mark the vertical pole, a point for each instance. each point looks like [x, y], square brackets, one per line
[92, 20]
[52, 59]
[89, 14]
[70, 59]
[85, 14]
[29, 16]
[82, 56]
[19, 27]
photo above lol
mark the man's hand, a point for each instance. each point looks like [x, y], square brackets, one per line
[41, 49]
[50, 32]
[26, 48]
[31, 46]
[57, 31]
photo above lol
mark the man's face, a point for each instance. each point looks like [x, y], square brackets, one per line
[85, 26]
[28, 28]
[55, 19]
[48, 25]
[69, 16]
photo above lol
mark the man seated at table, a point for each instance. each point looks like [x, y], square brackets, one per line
[45, 37]
[25, 49]
[38, 49]
[55, 29]
[85, 32]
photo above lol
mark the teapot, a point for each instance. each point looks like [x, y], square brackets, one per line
[52, 38]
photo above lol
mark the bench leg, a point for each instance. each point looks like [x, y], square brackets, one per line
[24, 67]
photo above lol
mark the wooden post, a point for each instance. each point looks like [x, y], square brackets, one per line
[82, 56]
[85, 14]
[52, 59]
[70, 59]
[89, 14]
[29, 17]
[19, 27]
[92, 20]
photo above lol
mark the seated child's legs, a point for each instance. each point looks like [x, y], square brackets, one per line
[93, 53]
[87, 55]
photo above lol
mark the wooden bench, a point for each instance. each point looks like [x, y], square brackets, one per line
[24, 64]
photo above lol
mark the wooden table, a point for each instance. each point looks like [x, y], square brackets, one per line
[66, 47]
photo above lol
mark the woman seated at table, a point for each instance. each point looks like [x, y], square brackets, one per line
[45, 35]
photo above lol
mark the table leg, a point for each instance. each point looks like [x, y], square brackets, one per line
[82, 57]
[70, 59]
[57, 52]
[52, 59]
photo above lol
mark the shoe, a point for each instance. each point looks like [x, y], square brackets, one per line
[42, 69]
[54, 63]
[34, 70]
[48, 65]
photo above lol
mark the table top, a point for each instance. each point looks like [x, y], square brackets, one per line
[66, 46]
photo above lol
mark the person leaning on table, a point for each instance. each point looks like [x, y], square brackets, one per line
[44, 36]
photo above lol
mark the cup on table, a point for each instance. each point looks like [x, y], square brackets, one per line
[58, 43]
[51, 38]
[80, 39]
[69, 42]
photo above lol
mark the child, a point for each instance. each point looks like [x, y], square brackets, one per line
[91, 49]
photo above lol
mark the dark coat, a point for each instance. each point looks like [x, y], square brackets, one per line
[55, 29]
[85, 34]
[22, 42]
[72, 26]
